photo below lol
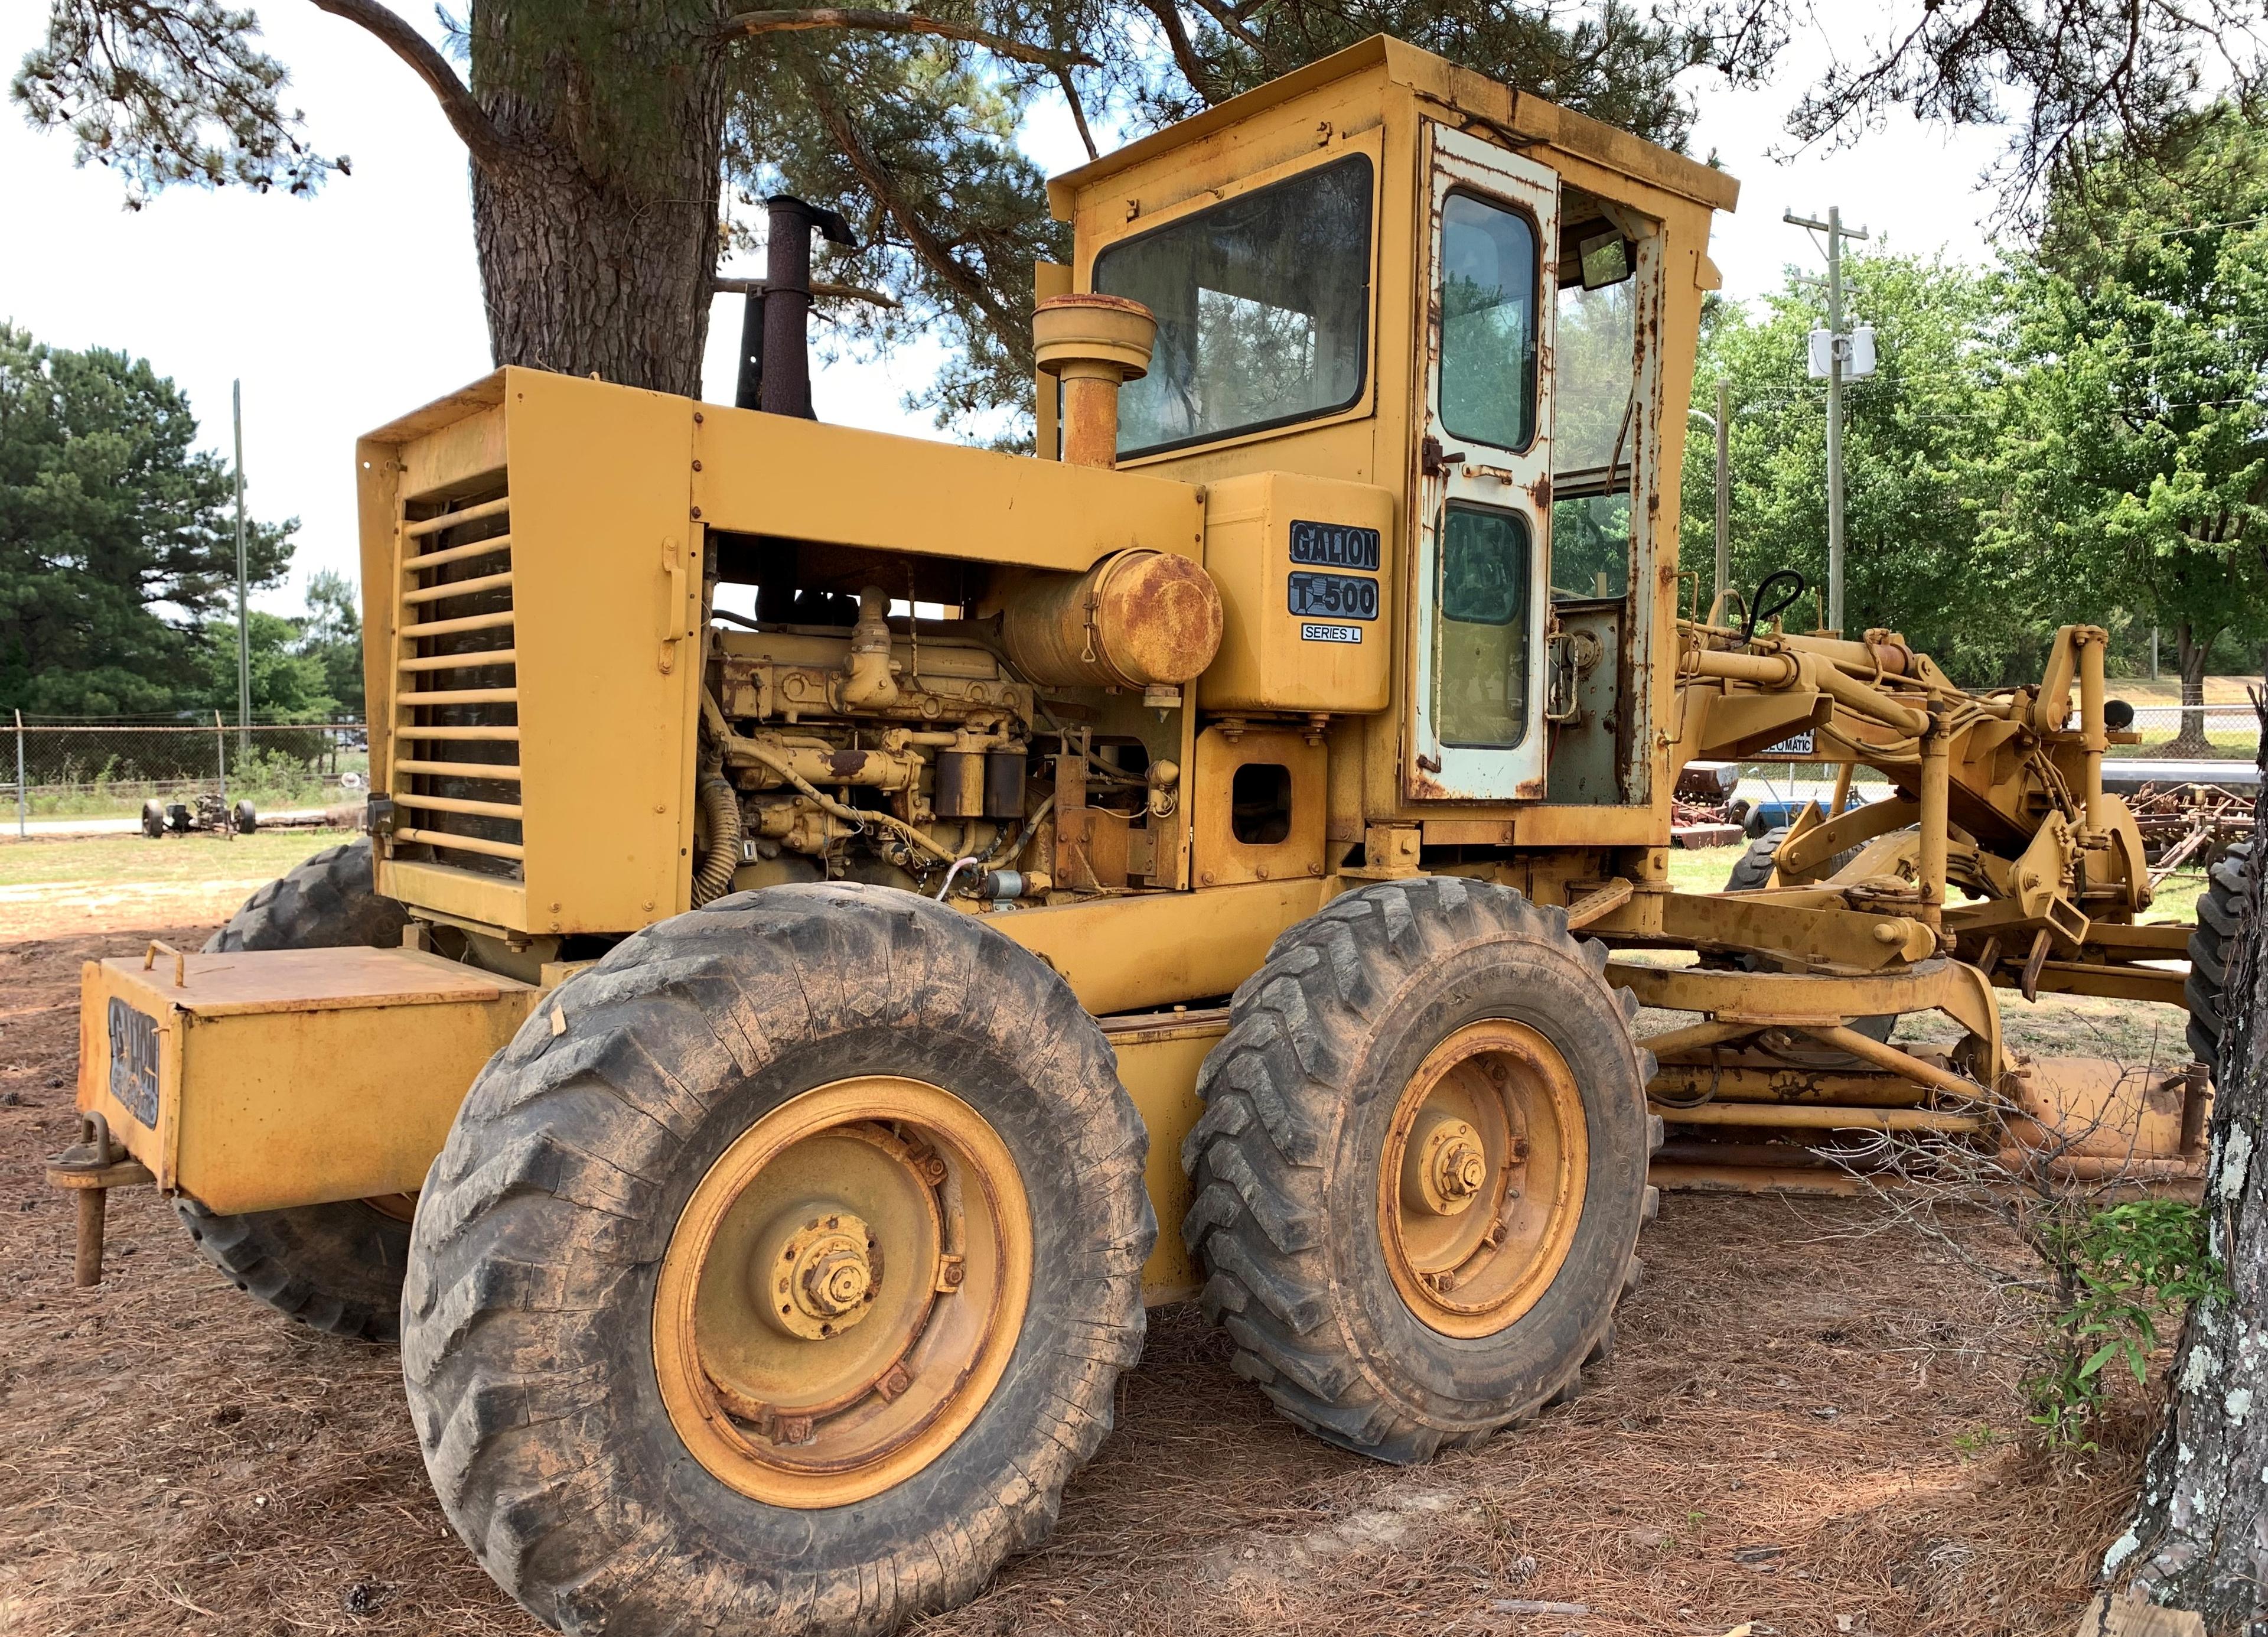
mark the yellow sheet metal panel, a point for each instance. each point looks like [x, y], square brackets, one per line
[1286, 844]
[838, 485]
[592, 483]
[1306, 569]
[1152, 949]
[1159, 1056]
[278, 1078]
[607, 601]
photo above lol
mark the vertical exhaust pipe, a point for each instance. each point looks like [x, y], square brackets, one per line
[783, 365]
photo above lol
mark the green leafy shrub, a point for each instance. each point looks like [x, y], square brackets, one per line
[2121, 1274]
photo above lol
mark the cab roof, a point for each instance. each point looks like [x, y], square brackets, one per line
[1523, 118]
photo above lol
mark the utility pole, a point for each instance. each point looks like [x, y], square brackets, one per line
[243, 630]
[1724, 486]
[1835, 234]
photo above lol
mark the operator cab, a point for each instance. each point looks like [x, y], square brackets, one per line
[1389, 270]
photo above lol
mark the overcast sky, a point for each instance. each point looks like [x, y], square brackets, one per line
[342, 312]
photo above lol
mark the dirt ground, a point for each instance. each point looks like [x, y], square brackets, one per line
[1809, 1426]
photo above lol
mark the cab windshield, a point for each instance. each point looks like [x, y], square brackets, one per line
[1263, 305]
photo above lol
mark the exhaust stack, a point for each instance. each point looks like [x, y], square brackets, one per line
[774, 372]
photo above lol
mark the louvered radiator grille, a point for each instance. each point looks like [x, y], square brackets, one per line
[456, 771]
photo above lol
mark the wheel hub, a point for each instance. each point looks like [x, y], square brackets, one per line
[821, 1269]
[1482, 1180]
[843, 1291]
[1445, 1167]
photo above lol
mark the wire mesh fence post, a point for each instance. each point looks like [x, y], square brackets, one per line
[220, 756]
[22, 790]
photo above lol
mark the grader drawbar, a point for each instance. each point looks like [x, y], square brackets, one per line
[849, 921]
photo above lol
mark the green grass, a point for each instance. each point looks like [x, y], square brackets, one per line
[2223, 744]
[68, 860]
[1703, 869]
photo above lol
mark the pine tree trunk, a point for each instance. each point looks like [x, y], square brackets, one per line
[2192, 652]
[597, 228]
[2199, 1540]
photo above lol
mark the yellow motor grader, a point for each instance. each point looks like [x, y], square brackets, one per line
[831, 899]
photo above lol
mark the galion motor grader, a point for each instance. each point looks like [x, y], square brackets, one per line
[848, 920]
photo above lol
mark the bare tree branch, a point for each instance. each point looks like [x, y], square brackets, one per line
[1168, 16]
[749, 24]
[466, 116]
[1078, 112]
[820, 291]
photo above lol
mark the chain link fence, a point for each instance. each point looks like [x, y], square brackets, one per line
[100, 769]
[2214, 733]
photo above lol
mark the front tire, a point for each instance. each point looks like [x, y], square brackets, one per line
[1419, 1178]
[653, 1264]
[2222, 909]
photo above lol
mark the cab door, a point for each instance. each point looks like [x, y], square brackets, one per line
[1484, 510]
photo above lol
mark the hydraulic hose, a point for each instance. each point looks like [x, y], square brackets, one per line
[720, 805]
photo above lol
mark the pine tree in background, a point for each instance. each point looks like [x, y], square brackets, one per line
[117, 536]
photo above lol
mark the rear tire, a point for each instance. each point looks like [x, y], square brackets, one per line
[547, 1391]
[339, 1266]
[327, 903]
[336, 1267]
[2222, 910]
[1752, 870]
[1308, 1249]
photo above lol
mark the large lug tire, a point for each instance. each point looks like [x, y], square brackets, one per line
[1752, 870]
[337, 1267]
[324, 903]
[2221, 911]
[1408, 1029]
[607, 1422]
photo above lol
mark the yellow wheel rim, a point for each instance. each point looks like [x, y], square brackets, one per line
[843, 1292]
[1480, 1186]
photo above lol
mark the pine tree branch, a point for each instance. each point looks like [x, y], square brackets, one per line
[749, 24]
[924, 243]
[1168, 16]
[465, 114]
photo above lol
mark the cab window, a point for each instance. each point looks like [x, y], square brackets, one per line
[1594, 442]
[1480, 635]
[1489, 276]
[1263, 310]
